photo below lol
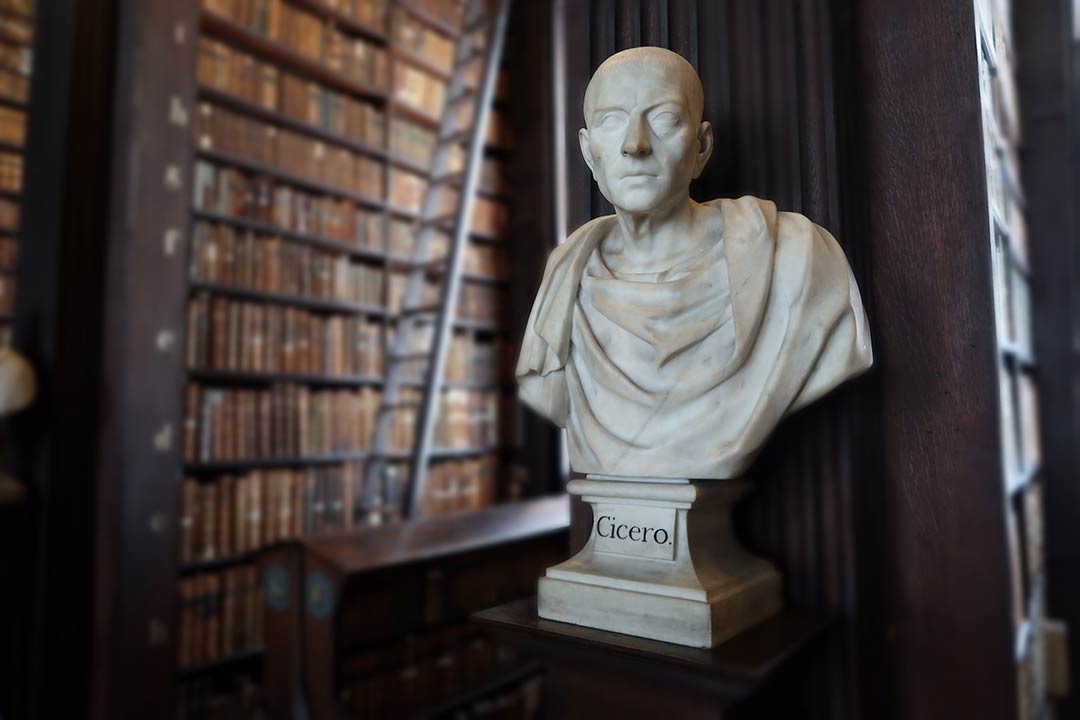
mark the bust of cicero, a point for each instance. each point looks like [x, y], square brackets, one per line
[670, 338]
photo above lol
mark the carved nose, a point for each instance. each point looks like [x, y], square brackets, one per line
[636, 142]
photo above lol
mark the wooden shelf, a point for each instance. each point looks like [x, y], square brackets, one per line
[480, 326]
[450, 453]
[407, 164]
[422, 539]
[225, 29]
[12, 148]
[315, 186]
[466, 384]
[240, 377]
[223, 563]
[13, 104]
[11, 194]
[731, 670]
[497, 679]
[434, 22]
[480, 279]
[309, 303]
[317, 241]
[485, 238]
[420, 118]
[463, 324]
[342, 20]
[275, 117]
[226, 466]
[421, 63]
[236, 661]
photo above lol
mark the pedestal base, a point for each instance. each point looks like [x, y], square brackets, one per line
[662, 562]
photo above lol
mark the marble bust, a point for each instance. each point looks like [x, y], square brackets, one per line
[670, 338]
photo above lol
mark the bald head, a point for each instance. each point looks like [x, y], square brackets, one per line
[642, 61]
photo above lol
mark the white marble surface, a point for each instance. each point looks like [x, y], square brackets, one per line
[662, 562]
[669, 339]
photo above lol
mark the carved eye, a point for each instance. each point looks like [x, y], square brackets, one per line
[665, 119]
[611, 120]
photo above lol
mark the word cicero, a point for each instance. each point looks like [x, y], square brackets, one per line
[607, 526]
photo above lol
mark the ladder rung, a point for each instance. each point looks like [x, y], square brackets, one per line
[475, 54]
[457, 137]
[438, 220]
[401, 405]
[465, 94]
[420, 310]
[480, 24]
[406, 265]
[407, 357]
[449, 179]
[445, 223]
[430, 266]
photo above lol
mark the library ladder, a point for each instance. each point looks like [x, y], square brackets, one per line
[424, 329]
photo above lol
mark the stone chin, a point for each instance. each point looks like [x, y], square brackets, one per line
[640, 195]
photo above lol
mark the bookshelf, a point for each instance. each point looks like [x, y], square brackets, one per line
[1017, 364]
[16, 66]
[313, 128]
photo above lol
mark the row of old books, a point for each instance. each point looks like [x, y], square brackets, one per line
[437, 665]
[478, 360]
[228, 191]
[9, 214]
[449, 12]
[468, 418]
[242, 75]
[220, 615]
[484, 259]
[349, 173]
[401, 234]
[416, 144]
[11, 171]
[419, 90]
[483, 303]
[232, 335]
[311, 36]
[460, 485]
[489, 217]
[286, 421]
[12, 126]
[464, 419]
[420, 39]
[232, 515]
[242, 259]
[9, 252]
[396, 284]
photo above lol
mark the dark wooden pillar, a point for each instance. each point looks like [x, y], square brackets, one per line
[943, 617]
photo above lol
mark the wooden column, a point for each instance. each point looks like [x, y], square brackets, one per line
[943, 610]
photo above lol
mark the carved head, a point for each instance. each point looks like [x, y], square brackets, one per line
[644, 138]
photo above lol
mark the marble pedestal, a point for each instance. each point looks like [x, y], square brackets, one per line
[661, 562]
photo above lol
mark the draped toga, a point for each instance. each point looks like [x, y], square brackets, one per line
[685, 373]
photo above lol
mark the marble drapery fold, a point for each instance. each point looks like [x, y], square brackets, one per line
[684, 374]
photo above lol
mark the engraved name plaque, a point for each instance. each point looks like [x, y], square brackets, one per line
[635, 530]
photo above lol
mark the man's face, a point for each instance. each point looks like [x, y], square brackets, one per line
[642, 144]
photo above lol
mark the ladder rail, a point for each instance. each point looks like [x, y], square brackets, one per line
[452, 280]
[410, 322]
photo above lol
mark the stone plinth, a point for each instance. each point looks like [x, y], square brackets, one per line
[662, 562]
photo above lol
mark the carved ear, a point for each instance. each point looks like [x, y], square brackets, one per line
[705, 146]
[583, 140]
